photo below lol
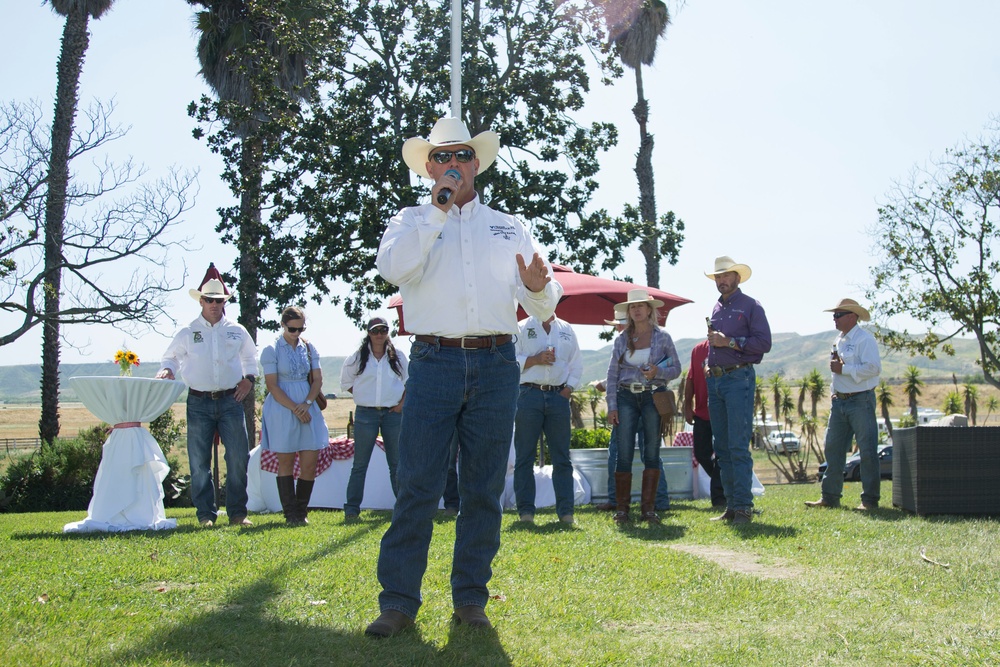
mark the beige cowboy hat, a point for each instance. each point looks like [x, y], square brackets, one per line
[638, 295]
[621, 317]
[212, 288]
[725, 264]
[447, 132]
[851, 306]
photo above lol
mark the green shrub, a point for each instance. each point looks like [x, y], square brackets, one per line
[56, 478]
[589, 438]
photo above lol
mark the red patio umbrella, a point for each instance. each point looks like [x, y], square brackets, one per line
[586, 299]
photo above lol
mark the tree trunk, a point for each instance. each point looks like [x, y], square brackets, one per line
[649, 245]
[74, 45]
[251, 165]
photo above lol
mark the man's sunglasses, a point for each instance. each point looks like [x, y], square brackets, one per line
[462, 155]
[209, 299]
[380, 330]
[837, 316]
[295, 329]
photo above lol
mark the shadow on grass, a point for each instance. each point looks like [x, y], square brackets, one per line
[664, 532]
[243, 629]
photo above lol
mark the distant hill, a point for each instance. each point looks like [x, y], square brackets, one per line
[792, 355]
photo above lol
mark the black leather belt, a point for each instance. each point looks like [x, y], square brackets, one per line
[844, 394]
[214, 395]
[719, 371]
[466, 343]
[545, 387]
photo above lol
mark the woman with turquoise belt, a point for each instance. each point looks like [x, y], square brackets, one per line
[292, 423]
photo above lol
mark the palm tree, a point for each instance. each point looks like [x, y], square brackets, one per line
[971, 394]
[912, 387]
[817, 389]
[594, 398]
[883, 394]
[787, 406]
[803, 392]
[952, 403]
[635, 36]
[233, 44]
[992, 403]
[75, 40]
[758, 400]
[776, 384]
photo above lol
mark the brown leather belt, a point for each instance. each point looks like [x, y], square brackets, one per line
[843, 394]
[719, 371]
[544, 387]
[466, 343]
[214, 395]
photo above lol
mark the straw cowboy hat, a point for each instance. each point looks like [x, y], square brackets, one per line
[725, 264]
[638, 295]
[447, 132]
[621, 317]
[211, 286]
[851, 306]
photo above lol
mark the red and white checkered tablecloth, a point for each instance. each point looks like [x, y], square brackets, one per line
[684, 439]
[339, 449]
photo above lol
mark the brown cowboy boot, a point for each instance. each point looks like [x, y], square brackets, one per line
[623, 496]
[647, 503]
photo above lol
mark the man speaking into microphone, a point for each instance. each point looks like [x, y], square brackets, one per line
[461, 267]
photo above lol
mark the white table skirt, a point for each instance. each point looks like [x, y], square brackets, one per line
[128, 489]
[330, 489]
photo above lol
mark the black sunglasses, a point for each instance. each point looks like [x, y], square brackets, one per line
[295, 329]
[462, 155]
[837, 316]
[380, 330]
[209, 299]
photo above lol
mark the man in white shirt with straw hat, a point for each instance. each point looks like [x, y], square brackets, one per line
[856, 366]
[461, 268]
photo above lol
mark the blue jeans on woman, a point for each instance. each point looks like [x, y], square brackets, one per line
[637, 412]
[852, 417]
[662, 494]
[367, 424]
[730, 406]
[205, 417]
[474, 391]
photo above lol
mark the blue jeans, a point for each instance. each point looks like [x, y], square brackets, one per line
[537, 412]
[474, 391]
[451, 498]
[637, 413]
[662, 494]
[205, 417]
[730, 406]
[852, 417]
[367, 424]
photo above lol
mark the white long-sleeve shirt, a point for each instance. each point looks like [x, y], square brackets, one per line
[211, 357]
[862, 364]
[532, 339]
[457, 273]
[378, 386]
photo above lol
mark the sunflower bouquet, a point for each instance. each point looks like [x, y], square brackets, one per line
[126, 359]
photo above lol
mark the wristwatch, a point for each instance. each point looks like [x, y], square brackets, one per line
[308, 402]
[252, 378]
[732, 343]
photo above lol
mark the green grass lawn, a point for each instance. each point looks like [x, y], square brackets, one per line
[797, 587]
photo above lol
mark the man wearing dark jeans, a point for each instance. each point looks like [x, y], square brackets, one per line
[217, 360]
[696, 414]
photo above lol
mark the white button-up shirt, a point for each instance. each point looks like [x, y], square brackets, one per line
[378, 386]
[532, 339]
[862, 364]
[211, 357]
[457, 273]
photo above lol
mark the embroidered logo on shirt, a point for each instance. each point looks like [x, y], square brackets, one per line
[506, 231]
[234, 335]
[565, 335]
[532, 333]
[198, 338]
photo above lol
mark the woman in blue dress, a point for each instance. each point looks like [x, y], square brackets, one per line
[292, 423]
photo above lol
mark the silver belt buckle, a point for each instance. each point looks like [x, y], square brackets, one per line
[637, 387]
[716, 371]
[463, 339]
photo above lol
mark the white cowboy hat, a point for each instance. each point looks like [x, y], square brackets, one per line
[725, 264]
[213, 289]
[638, 295]
[851, 306]
[446, 132]
[621, 317]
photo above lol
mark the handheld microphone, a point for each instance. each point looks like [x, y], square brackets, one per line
[444, 194]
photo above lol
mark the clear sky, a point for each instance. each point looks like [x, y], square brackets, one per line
[779, 126]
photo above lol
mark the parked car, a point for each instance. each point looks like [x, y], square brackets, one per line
[781, 442]
[852, 467]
